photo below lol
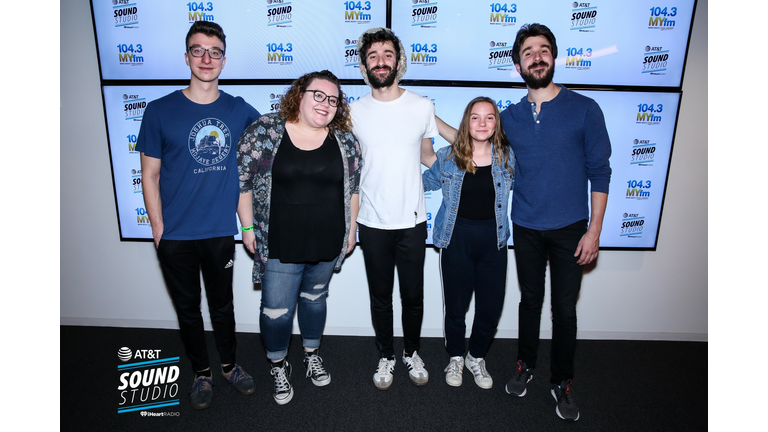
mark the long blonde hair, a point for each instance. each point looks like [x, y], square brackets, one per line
[462, 147]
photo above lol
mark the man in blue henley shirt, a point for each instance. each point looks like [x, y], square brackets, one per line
[562, 148]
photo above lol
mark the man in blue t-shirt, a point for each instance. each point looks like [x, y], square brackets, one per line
[188, 151]
[562, 148]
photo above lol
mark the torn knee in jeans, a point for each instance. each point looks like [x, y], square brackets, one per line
[314, 297]
[275, 313]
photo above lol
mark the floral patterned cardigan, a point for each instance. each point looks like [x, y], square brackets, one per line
[256, 153]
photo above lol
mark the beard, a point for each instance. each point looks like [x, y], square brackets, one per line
[534, 82]
[377, 81]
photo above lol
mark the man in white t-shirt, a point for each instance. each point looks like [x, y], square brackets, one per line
[395, 128]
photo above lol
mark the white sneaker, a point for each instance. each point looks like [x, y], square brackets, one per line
[383, 376]
[416, 369]
[454, 371]
[477, 367]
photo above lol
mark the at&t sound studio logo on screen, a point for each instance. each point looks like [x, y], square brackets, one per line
[125, 13]
[632, 225]
[584, 17]
[500, 56]
[279, 13]
[133, 107]
[424, 14]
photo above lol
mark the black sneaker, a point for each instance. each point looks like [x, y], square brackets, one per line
[283, 389]
[240, 380]
[517, 385]
[315, 370]
[566, 408]
[201, 393]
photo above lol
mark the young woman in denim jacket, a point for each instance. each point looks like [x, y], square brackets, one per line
[471, 229]
[298, 208]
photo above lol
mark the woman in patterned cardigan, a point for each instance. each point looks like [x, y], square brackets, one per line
[298, 208]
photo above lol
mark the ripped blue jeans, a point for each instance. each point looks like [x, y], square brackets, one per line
[282, 287]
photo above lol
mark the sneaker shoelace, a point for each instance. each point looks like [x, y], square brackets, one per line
[281, 381]
[566, 394]
[236, 375]
[520, 371]
[315, 366]
[455, 366]
[416, 362]
[385, 367]
[199, 385]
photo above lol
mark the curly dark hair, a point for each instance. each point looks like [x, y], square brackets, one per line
[289, 104]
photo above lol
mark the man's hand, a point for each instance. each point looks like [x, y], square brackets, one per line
[588, 247]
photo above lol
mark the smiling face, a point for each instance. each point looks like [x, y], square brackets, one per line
[482, 121]
[205, 69]
[381, 64]
[537, 66]
[318, 114]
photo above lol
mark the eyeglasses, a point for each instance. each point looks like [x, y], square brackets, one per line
[214, 53]
[320, 96]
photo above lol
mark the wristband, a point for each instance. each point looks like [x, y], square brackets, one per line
[249, 228]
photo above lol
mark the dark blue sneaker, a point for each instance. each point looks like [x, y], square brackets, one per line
[201, 393]
[240, 380]
[518, 384]
[566, 408]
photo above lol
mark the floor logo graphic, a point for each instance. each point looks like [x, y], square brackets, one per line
[149, 382]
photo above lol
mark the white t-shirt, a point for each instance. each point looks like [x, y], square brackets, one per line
[390, 134]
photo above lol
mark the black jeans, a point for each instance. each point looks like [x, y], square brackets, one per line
[532, 250]
[181, 262]
[383, 250]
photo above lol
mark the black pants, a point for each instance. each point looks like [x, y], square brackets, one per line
[181, 262]
[383, 251]
[532, 250]
[473, 263]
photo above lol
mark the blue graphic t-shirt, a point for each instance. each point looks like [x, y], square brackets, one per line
[196, 144]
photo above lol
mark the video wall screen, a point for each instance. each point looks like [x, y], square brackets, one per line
[631, 62]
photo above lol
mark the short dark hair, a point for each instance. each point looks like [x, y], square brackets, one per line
[530, 30]
[208, 28]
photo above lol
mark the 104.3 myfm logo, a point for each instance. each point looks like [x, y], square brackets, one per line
[130, 54]
[501, 14]
[358, 12]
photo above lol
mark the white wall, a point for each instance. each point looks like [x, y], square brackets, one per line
[659, 295]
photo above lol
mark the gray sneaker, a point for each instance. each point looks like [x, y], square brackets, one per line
[454, 370]
[566, 408]
[240, 380]
[477, 367]
[383, 376]
[283, 389]
[416, 370]
[201, 393]
[517, 385]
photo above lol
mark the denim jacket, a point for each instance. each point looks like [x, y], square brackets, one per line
[445, 175]
[256, 151]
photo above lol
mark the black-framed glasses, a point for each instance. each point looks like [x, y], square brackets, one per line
[214, 53]
[320, 96]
